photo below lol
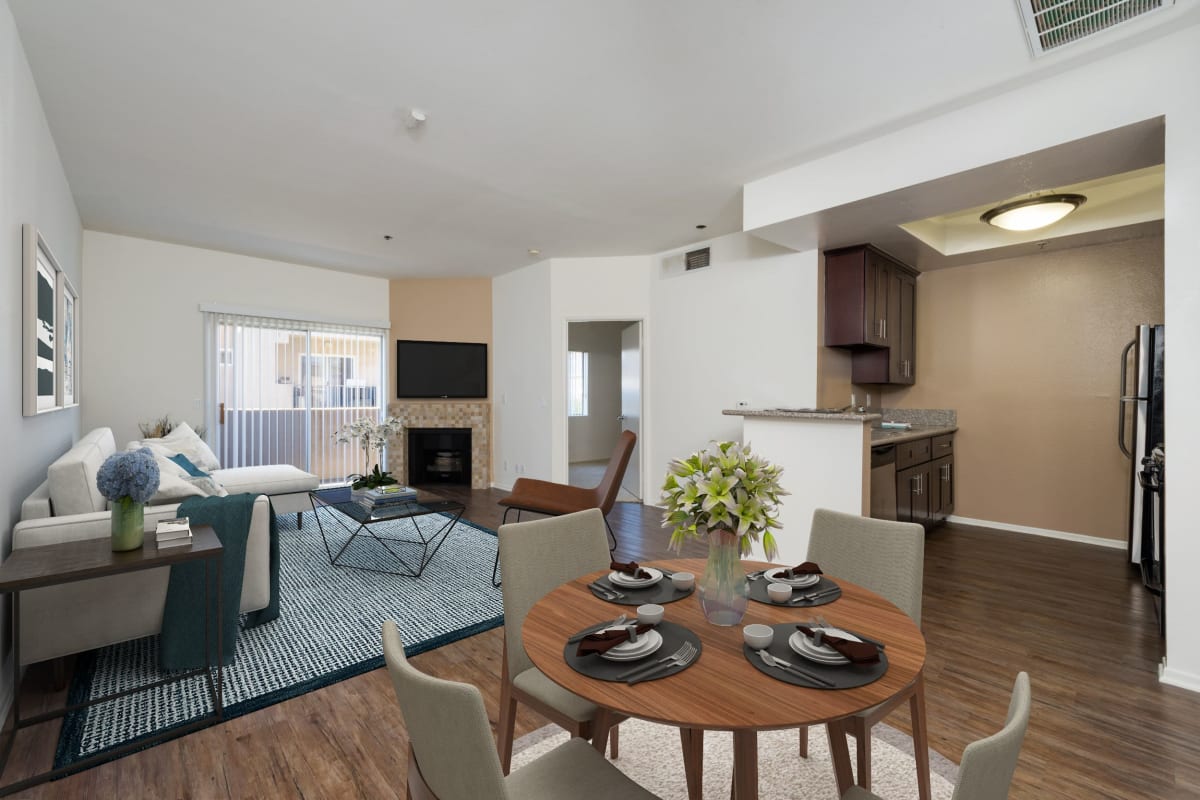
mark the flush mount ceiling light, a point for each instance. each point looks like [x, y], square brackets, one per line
[1033, 213]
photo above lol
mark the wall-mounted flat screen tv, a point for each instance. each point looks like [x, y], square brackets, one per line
[441, 369]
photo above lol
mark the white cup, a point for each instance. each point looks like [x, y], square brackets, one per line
[779, 593]
[758, 637]
[683, 581]
[650, 614]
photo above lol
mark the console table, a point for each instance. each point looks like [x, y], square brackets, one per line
[54, 564]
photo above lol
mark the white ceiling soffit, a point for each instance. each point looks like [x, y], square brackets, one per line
[1130, 198]
[1050, 24]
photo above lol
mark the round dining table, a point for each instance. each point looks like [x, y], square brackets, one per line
[721, 690]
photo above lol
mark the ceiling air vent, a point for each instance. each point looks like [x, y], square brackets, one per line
[696, 259]
[1050, 24]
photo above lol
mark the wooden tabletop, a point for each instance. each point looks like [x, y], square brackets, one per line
[723, 691]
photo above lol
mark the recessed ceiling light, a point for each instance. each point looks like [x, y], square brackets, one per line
[533, 251]
[1033, 213]
[701, 227]
[387, 237]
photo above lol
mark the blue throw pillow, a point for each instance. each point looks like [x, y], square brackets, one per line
[188, 466]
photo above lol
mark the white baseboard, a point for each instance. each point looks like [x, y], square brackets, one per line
[1098, 541]
[1179, 678]
[501, 487]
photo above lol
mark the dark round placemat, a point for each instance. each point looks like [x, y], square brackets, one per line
[594, 666]
[845, 676]
[758, 591]
[662, 592]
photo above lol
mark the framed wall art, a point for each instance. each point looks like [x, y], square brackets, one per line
[50, 329]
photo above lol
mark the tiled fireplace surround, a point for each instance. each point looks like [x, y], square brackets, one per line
[444, 414]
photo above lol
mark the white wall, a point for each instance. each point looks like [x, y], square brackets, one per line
[521, 383]
[743, 329]
[143, 333]
[591, 437]
[1135, 85]
[33, 188]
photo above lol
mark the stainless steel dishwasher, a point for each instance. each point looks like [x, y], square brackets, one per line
[883, 481]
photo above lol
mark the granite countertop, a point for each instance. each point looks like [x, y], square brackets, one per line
[898, 436]
[803, 413]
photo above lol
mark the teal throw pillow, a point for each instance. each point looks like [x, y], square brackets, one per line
[188, 466]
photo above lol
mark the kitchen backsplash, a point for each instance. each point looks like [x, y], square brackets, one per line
[921, 416]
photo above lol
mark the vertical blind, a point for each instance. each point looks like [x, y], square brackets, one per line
[278, 390]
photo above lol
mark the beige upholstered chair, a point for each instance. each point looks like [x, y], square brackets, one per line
[451, 755]
[888, 558]
[987, 764]
[537, 556]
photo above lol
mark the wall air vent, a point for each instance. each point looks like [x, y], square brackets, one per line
[696, 259]
[1050, 24]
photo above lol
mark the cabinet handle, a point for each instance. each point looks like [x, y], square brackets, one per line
[916, 479]
[945, 445]
[946, 473]
[883, 324]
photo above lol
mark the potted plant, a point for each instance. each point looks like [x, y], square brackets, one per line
[372, 436]
[730, 496]
[129, 479]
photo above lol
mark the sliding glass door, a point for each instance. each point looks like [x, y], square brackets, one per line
[279, 389]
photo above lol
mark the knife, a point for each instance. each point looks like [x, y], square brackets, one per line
[814, 596]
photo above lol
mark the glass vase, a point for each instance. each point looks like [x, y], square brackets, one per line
[128, 519]
[723, 590]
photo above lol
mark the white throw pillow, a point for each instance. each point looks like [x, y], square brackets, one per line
[185, 441]
[174, 482]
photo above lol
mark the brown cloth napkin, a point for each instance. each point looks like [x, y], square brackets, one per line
[604, 641]
[631, 569]
[807, 568]
[857, 652]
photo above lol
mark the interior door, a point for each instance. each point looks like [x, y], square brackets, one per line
[631, 403]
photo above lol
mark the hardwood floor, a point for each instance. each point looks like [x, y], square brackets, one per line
[995, 603]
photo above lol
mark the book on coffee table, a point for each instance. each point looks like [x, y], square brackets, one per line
[178, 528]
[385, 495]
[182, 541]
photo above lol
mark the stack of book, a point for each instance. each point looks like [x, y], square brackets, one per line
[383, 496]
[173, 533]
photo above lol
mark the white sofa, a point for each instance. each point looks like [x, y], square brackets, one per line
[73, 617]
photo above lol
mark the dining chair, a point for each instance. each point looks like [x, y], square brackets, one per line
[537, 556]
[987, 764]
[553, 499]
[889, 559]
[451, 755]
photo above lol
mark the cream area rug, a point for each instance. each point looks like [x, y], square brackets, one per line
[651, 756]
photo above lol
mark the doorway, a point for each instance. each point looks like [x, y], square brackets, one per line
[604, 397]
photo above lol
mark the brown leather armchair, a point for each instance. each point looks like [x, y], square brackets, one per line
[554, 499]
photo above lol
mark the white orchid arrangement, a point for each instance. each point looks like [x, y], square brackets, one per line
[724, 487]
[372, 436]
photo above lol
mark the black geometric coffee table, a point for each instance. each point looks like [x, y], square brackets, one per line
[360, 521]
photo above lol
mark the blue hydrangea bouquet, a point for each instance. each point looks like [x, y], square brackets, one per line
[128, 479]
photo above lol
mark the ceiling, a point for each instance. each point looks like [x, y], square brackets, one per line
[276, 128]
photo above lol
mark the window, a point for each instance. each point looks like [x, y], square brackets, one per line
[577, 384]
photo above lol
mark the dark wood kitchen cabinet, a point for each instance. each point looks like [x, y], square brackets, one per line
[925, 480]
[870, 308]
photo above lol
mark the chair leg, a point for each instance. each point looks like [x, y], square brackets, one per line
[862, 733]
[496, 564]
[299, 519]
[804, 742]
[506, 725]
[614, 743]
[612, 536]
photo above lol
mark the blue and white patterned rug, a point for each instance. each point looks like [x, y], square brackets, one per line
[328, 630]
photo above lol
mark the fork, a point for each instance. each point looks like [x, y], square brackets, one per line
[685, 651]
[608, 592]
[679, 661]
[787, 666]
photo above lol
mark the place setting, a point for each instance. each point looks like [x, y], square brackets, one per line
[814, 654]
[803, 585]
[630, 584]
[644, 648]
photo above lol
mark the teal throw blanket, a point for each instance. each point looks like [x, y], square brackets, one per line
[181, 645]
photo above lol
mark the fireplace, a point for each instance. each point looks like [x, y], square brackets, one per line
[439, 455]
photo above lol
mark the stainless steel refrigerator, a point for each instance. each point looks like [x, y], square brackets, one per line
[1142, 439]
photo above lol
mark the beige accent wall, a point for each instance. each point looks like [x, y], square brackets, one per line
[1027, 350]
[440, 309]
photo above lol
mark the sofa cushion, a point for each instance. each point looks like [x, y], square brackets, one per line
[182, 439]
[266, 479]
[72, 477]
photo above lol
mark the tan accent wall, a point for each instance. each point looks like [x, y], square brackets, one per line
[1028, 350]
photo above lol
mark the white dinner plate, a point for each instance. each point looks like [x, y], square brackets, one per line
[646, 644]
[822, 654]
[627, 582]
[772, 575]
